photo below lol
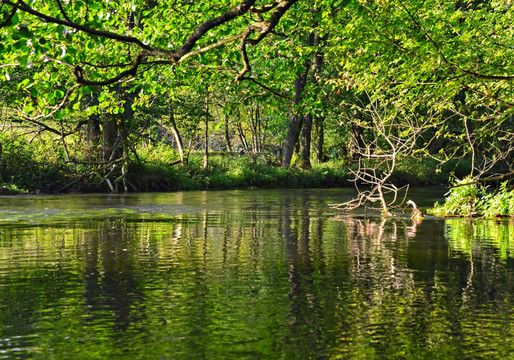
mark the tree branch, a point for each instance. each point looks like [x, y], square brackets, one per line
[487, 77]
[274, 92]
[204, 27]
[264, 9]
[506, 103]
[61, 9]
[9, 18]
[267, 26]
[20, 5]
[57, 108]
[177, 55]
[212, 46]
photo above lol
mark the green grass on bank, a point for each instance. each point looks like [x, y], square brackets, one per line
[227, 172]
[33, 167]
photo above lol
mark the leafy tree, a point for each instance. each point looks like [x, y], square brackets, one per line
[453, 57]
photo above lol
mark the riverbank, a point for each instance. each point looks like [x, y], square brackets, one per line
[24, 171]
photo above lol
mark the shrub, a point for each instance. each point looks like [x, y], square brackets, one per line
[469, 198]
[463, 199]
[500, 203]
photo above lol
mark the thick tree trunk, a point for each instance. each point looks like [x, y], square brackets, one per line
[292, 131]
[300, 127]
[292, 135]
[320, 132]
[308, 119]
[306, 141]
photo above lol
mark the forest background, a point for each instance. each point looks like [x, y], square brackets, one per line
[147, 95]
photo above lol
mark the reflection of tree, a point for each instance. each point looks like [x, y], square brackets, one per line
[303, 251]
[111, 287]
[264, 281]
[198, 306]
[481, 235]
[486, 245]
[405, 293]
[379, 252]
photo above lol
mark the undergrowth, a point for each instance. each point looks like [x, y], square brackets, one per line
[226, 172]
[39, 165]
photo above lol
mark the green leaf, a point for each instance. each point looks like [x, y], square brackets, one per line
[23, 84]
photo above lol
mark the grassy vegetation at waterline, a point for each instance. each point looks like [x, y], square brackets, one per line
[36, 167]
[33, 168]
[470, 198]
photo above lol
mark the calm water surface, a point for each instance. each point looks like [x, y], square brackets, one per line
[253, 274]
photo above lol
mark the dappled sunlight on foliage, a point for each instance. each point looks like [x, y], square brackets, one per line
[470, 198]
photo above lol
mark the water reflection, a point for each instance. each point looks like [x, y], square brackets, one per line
[255, 275]
[482, 236]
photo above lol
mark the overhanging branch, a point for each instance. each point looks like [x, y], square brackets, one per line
[9, 18]
[20, 5]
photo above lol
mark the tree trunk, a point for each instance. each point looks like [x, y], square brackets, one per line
[205, 163]
[292, 131]
[320, 132]
[357, 144]
[176, 134]
[253, 129]
[93, 132]
[300, 127]
[259, 127]
[307, 120]
[126, 118]
[468, 126]
[242, 136]
[227, 134]
[110, 146]
[306, 141]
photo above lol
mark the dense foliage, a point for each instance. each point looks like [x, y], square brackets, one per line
[469, 198]
[373, 84]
